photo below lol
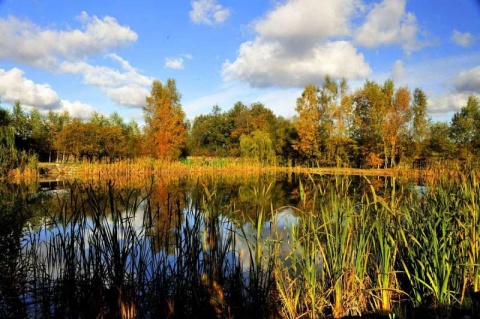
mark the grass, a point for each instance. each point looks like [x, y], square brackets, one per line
[355, 247]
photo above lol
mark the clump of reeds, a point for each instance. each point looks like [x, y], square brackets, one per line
[355, 247]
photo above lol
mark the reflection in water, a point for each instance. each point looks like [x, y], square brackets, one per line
[218, 247]
[169, 248]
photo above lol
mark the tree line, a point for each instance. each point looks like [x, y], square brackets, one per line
[378, 125]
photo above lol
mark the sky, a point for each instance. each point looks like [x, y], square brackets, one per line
[102, 56]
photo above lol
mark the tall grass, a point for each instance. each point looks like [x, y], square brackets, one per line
[351, 247]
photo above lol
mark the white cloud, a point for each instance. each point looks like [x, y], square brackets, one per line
[65, 51]
[77, 109]
[388, 23]
[265, 63]
[307, 20]
[27, 43]
[208, 12]
[447, 102]
[174, 63]
[128, 95]
[125, 87]
[468, 81]
[462, 39]
[103, 76]
[464, 83]
[398, 72]
[15, 86]
[295, 45]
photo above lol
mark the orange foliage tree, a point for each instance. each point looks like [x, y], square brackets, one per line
[165, 128]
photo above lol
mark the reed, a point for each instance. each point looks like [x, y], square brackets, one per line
[352, 247]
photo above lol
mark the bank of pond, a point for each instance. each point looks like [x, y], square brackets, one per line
[276, 245]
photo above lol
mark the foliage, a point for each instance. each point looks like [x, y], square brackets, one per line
[378, 125]
[465, 128]
[165, 127]
[258, 146]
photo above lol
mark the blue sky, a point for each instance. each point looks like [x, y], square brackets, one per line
[86, 56]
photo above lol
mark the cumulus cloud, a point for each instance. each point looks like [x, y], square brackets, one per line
[447, 102]
[208, 12]
[263, 63]
[307, 21]
[27, 43]
[303, 50]
[125, 87]
[463, 39]
[468, 81]
[388, 23]
[464, 84]
[174, 63]
[15, 86]
[128, 95]
[77, 109]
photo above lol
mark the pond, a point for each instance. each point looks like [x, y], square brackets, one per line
[232, 246]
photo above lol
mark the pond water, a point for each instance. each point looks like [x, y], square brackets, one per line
[256, 246]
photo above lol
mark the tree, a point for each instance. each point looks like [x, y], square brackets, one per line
[465, 127]
[40, 138]
[165, 128]
[335, 121]
[419, 127]
[307, 123]
[55, 122]
[211, 134]
[439, 143]
[370, 114]
[258, 146]
[8, 153]
[398, 116]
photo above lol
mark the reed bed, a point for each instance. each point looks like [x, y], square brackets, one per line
[365, 246]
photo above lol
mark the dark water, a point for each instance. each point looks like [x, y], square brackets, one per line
[173, 247]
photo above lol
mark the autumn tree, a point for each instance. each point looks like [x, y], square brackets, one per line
[307, 123]
[165, 128]
[397, 119]
[55, 122]
[70, 140]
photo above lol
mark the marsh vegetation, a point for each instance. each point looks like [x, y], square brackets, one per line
[263, 246]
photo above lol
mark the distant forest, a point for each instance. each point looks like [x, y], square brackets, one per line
[378, 125]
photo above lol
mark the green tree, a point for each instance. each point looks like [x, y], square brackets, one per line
[420, 122]
[40, 138]
[8, 152]
[336, 118]
[165, 127]
[370, 113]
[465, 128]
[134, 137]
[23, 130]
[211, 134]
[258, 146]
[439, 144]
